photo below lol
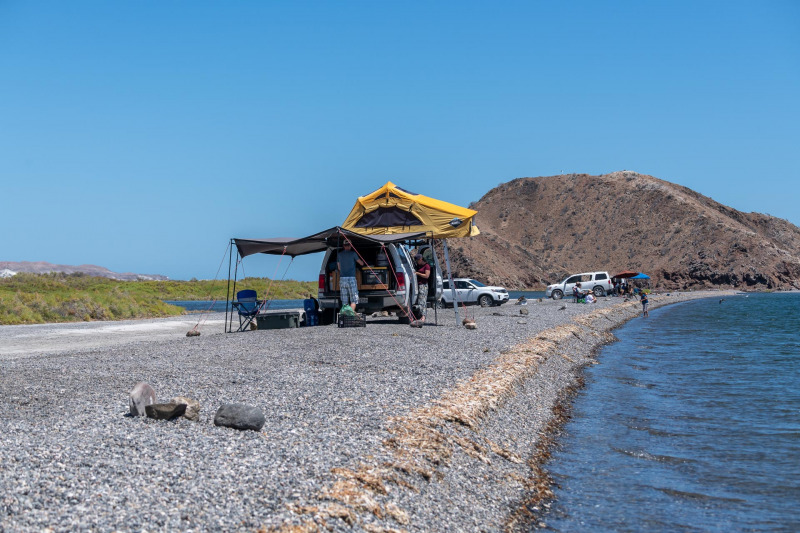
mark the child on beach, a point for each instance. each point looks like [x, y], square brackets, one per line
[643, 296]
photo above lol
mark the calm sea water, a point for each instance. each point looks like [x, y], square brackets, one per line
[691, 422]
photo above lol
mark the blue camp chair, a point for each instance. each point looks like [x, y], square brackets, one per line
[247, 305]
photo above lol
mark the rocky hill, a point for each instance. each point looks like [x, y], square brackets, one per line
[537, 230]
[9, 268]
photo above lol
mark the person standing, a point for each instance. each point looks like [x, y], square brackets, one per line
[346, 263]
[645, 302]
[423, 270]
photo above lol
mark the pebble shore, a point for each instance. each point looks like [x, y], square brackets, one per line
[383, 428]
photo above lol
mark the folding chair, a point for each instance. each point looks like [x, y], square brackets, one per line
[247, 305]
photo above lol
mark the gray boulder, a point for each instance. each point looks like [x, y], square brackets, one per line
[141, 396]
[192, 407]
[240, 416]
[165, 411]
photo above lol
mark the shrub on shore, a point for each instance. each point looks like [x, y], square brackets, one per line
[55, 297]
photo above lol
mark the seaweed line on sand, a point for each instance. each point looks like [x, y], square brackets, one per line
[421, 442]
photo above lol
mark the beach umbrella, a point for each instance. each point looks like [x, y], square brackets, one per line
[639, 275]
[626, 274]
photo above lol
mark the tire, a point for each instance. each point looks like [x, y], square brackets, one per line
[557, 294]
[485, 301]
[599, 291]
[439, 304]
[326, 317]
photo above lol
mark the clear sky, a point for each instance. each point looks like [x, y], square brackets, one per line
[142, 135]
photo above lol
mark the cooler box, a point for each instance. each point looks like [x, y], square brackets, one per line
[278, 320]
[312, 315]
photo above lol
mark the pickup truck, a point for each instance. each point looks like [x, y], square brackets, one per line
[470, 291]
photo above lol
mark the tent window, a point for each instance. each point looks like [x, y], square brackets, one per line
[388, 216]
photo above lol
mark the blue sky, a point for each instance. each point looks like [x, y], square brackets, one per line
[141, 136]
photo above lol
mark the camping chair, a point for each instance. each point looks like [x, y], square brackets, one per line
[247, 305]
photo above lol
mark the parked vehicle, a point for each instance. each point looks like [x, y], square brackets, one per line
[597, 282]
[387, 283]
[470, 291]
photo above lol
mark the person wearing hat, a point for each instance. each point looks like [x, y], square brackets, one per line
[348, 287]
[423, 270]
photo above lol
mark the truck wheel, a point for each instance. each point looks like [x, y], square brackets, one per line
[485, 301]
[326, 317]
[557, 294]
[598, 291]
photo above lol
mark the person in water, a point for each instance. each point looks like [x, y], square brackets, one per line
[645, 303]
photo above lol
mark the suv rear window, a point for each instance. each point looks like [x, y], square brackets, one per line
[598, 277]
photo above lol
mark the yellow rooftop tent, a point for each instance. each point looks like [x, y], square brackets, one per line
[391, 210]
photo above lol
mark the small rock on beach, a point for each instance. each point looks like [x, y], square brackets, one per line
[165, 411]
[141, 396]
[240, 416]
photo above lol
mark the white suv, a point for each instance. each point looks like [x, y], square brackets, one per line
[470, 291]
[597, 282]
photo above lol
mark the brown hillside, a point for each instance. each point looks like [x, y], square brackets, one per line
[537, 230]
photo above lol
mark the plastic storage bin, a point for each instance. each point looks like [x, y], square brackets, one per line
[278, 320]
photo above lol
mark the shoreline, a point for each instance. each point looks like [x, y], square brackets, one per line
[382, 428]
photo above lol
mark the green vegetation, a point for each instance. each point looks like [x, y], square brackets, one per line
[38, 298]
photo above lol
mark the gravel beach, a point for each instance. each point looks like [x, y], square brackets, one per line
[383, 428]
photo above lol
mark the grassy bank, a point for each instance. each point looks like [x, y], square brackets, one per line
[40, 298]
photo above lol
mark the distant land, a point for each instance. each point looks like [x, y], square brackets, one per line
[10, 268]
[535, 231]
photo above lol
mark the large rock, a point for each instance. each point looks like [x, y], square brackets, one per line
[192, 407]
[141, 396]
[165, 411]
[240, 416]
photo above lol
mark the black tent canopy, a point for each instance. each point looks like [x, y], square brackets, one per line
[293, 247]
[319, 242]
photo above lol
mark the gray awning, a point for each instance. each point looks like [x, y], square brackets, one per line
[319, 242]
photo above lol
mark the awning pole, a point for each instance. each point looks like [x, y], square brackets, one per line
[233, 293]
[228, 290]
[452, 283]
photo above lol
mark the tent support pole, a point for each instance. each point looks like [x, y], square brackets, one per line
[233, 293]
[228, 290]
[452, 284]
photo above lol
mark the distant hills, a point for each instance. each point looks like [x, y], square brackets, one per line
[9, 268]
[535, 231]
